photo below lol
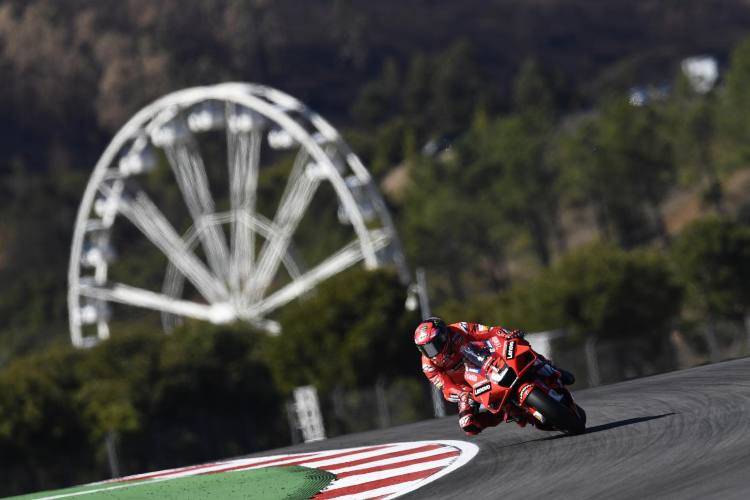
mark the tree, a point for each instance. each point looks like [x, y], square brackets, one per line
[599, 290]
[36, 223]
[621, 163]
[380, 99]
[350, 331]
[532, 92]
[40, 422]
[691, 119]
[456, 89]
[417, 93]
[712, 259]
[732, 114]
[202, 393]
[450, 224]
[210, 395]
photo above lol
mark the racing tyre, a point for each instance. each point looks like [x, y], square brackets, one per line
[555, 414]
[582, 414]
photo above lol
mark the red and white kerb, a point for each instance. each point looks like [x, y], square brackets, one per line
[370, 472]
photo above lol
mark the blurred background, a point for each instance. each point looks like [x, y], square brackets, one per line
[572, 167]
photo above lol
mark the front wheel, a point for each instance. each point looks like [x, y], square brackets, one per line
[556, 414]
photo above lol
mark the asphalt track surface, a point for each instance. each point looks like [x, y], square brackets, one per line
[680, 435]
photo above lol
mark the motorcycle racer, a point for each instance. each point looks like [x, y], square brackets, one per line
[445, 349]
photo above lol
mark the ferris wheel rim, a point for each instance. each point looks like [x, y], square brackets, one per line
[276, 109]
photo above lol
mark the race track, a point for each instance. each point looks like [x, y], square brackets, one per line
[678, 435]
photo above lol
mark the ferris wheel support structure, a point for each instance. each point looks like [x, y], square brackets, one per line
[233, 283]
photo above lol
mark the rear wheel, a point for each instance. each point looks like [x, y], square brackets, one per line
[556, 414]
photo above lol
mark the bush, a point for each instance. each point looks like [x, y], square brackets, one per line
[712, 259]
[350, 331]
[202, 393]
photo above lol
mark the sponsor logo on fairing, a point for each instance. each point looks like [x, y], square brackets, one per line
[438, 382]
[481, 389]
[490, 346]
[428, 368]
[525, 390]
[510, 349]
[464, 326]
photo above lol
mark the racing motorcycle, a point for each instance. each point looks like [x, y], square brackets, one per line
[519, 376]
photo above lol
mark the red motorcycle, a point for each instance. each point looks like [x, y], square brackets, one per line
[518, 376]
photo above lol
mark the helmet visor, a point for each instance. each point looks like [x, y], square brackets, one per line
[435, 346]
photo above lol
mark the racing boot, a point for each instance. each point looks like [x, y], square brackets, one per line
[466, 418]
[547, 369]
[515, 414]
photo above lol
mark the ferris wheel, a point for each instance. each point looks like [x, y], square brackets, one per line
[185, 185]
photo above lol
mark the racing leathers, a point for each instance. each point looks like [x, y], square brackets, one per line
[446, 372]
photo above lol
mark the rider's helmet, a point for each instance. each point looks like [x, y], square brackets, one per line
[431, 337]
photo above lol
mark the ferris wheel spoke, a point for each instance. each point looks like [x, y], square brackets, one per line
[244, 158]
[299, 191]
[190, 172]
[343, 259]
[233, 263]
[154, 225]
[139, 297]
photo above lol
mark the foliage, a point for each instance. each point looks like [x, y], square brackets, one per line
[35, 225]
[691, 120]
[597, 290]
[621, 162]
[525, 139]
[40, 423]
[467, 210]
[732, 117]
[444, 226]
[436, 99]
[352, 330]
[712, 259]
[200, 394]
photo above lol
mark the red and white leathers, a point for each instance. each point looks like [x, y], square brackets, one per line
[446, 372]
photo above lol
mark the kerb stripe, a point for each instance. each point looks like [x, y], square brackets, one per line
[297, 462]
[371, 485]
[397, 465]
[408, 451]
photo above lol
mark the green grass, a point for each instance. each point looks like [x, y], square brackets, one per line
[268, 483]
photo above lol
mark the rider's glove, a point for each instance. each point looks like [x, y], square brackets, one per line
[455, 394]
[492, 364]
[515, 334]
